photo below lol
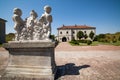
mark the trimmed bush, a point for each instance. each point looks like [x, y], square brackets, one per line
[74, 42]
[10, 37]
[114, 40]
[119, 38]
[89, 42]
[82, 41]
[91, 35]
[96, 38]
[80, 34]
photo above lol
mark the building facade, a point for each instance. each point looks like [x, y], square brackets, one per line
[2, 30]
[67, 33]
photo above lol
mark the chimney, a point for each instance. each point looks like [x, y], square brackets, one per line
[75, 25]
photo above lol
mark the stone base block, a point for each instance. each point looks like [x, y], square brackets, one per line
[30, 60]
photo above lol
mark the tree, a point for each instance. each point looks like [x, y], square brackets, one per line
[80, 34]
[91, 35]
[85, 36]
[102, 35]
[52, 37]
[119, 38]
[96, 38]
[10, 37]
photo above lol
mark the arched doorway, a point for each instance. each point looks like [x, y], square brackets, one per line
[64, 39]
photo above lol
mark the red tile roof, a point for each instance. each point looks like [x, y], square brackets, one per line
[76, 27]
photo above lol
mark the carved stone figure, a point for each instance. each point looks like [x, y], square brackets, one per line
[31, 22]
[19, 23]
[38, 31]
[47, 20]
[31, 28]
[24, 34]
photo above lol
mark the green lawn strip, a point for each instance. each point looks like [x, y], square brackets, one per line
[116, 44]
[96, 43]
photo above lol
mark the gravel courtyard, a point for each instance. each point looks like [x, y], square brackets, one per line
[82, 62]
[88, 62]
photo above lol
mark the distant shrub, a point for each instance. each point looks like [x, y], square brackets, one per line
[85, 36]
[80, 34]
[108, 40]
[114, 40]
[82, 41]
[119, 38]
[78, 42]
[96, 38]
[74, 42]
[102, 35]
[10, 37]
[52, 37]
[91, 35]
[89, 42]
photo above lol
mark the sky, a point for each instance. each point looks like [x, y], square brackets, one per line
[102, 14]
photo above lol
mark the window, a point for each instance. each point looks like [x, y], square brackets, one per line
[84, 31]
[60, 32]
[73, 32]
[67, 32]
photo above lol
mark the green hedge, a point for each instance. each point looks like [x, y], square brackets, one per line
[74, 42]
[77, 42]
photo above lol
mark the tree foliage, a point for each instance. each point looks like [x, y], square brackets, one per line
[10, 37]
[102, 35]
[85, 36]
[52, 37]
[119, 38]
[80, 34]
[91, 35]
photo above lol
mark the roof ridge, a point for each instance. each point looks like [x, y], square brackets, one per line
[76, 27]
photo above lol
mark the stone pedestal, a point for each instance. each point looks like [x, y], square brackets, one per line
[30, 61]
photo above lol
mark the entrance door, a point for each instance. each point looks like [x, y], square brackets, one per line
[64, 39]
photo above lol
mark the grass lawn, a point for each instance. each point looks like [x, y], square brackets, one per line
[117, 43]
[96, 43]
[103, 43]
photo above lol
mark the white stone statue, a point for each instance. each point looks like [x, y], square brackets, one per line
[38, 30]
[31, 22]
[47, 20]
[32, 29]
[19, 23]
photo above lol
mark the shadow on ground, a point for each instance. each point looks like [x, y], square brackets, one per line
[69, 69]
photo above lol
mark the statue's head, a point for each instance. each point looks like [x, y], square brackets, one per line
[47, 9]
[17, 11]
[33, 14]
